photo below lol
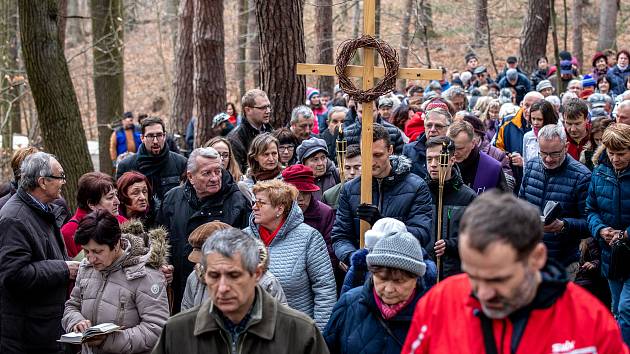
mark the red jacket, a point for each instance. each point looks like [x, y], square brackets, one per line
[415, 126]
[447, 320]
[70, 228]
[574, 148]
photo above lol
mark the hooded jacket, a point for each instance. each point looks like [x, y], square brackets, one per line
[510, 135]
[401, 195]
[417, 152]
[299, 259]
[562, 318]
[130, 293]
[618, 78]
[182, 212]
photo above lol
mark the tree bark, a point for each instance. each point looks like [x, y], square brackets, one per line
[183, 98]
[108, 76]
[9, 71]
[74, 29]
[481, 23]
[62, 19]
[53, 92]
[577, 22]
[171, 18]
[534, 34]
[607, 34]
[253, 52]
[209, 83]
[324, 48]
[427, 16]
[404, 40]
[281, 22]
[241, 65]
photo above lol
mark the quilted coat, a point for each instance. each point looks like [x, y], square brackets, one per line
[353, 133]
[299, 259]
[567, 185]
[416, 151]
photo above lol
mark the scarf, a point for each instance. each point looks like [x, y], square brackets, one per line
[265, 175]
[535, 131]
[390, 311]
[622, 68]
[267, 236]
[149, 164]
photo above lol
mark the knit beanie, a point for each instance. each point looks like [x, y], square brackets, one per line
[398, 250]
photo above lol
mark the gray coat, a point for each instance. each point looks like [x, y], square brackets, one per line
[299, 259]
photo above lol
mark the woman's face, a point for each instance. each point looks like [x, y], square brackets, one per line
[286, 153]
[139, 196]
[264, 212]
[393, 291]
[597, 137]
[620, 159]
[622, 59]
[542, 64]
[601, 64]
[224, 151]
[108, 202]
[101, 256]
[229, 110]
[536, 119]
[493, 112]
[268, 160]
[603, 86]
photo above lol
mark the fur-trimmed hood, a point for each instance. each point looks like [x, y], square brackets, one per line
[152, 247]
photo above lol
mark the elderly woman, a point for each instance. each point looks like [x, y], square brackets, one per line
[262, 160]
[96, 191]
[608, 208]
[134, 193]
[116, 284]
[313, 152]
[196, 289]
[297, 252]
[224, 148]
[376, 317]
[287, 145]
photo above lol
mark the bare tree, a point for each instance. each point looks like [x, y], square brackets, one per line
[404, 39]
[10, 73]
[107, 42]
[281, 22]
[241, 67]
[426, 11]
[534, 33]
[324, 36]
[183, 98]
[53, 92]
[607, 34]
[481, 23]
[577, 22]
[75, 35]
[253, 52]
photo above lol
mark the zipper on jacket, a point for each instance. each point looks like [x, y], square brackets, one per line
[380, 195]
[241, 340]
[99, 297]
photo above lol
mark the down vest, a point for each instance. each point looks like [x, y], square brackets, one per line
[608, 205]
[567, 185]
[299, 259]
[353, 134]
[127, 293]
[402, 195]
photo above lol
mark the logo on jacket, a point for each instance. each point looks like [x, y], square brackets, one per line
[418, 342]
[568, 347]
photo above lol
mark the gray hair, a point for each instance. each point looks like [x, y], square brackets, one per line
[442, 112]
[207, 152]
[337, 109]
[551, 131]
[575, 81]
[34, 166]
[301, 111]
[228, 243]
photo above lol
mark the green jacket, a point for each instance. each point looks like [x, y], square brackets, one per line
[273, 328]
[331, 196]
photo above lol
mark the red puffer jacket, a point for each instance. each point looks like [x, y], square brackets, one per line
[562, 319]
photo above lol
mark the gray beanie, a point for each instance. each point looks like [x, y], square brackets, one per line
[399, 250]
[309, 147]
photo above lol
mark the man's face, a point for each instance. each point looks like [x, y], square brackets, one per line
[303, 127]
[623, 114]
[463, 146]
[335, 120]
[231, 287]
[501, 282]
[325, 100]
[472, 63]
[619, 158]
[385, 112]
[380, 159]
[154, 138]
[577, 128]
[318, 163]
[206, 180]
[435, 124]
[304, 199]
[527, 102]
[54, 182]
[352, 168]
[552, 152]
[459, 101]
[576, 88]
[261, 112]
[623, 59]
[433, 162]
[512, 65]
[127, 123]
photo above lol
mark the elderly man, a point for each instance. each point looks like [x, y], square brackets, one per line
[238, 317]
[577, 126]
[510, 296]
[302, 122]
[436, 122]
[256, 114]
[519, 82]
[209, 194]
[556, 176]
[623, 112]
[35, 273]
[336, 117]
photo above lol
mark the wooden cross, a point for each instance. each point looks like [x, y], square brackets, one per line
[368, 72]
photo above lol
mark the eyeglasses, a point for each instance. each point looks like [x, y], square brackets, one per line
[435, 126]
[554, 155]
[225, 155]
[62, 176]
[259, 204]
[263, 108]
[151, 137]
[286, 147]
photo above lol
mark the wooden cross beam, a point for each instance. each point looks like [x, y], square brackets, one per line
[368, 72]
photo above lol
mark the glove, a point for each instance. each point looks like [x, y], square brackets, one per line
[369, 213]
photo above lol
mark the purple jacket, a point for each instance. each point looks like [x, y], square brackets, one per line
[488, 174]
[498, 155]
[321, 217]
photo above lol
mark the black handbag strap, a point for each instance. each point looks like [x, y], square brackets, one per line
[389, 331]
[488, 334]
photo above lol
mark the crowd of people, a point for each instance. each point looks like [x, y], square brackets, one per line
[499, 221]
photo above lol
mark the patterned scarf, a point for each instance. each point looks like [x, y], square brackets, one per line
[390, 311]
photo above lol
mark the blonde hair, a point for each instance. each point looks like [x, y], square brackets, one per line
[279, 193]
[259, 145]
[617, 137]
[232, 166]
[486, 112]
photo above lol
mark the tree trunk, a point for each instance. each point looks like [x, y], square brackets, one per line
[481, 23]
[324, 48]
[108, 76]
[171, 18]
[209, 83]
[9, 71]
[53, 92]
[241, 65]
[554, 36]
[404, 40]
[62, 19]
[253, 41]
[534, 34]
[607, 34]
[74, 29]
[356, 24]
[281, 22]
[578, 48]
[183, 98]
[427, 16]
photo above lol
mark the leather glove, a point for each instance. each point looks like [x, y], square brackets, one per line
[369, 213]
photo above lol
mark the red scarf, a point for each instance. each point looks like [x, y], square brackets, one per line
[268, 236]
[389, 311]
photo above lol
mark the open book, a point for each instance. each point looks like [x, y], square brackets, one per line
[78, 338]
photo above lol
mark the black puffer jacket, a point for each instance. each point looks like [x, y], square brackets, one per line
[182, 212]
[353, 134]
[33, 277]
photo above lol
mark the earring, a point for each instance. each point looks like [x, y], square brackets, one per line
[277, 216]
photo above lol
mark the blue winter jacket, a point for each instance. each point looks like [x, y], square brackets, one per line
[355, 328]
[618, 79]
[416, 151]
[121, 140]
[402, 195]
[567, 185]
[608, 205]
